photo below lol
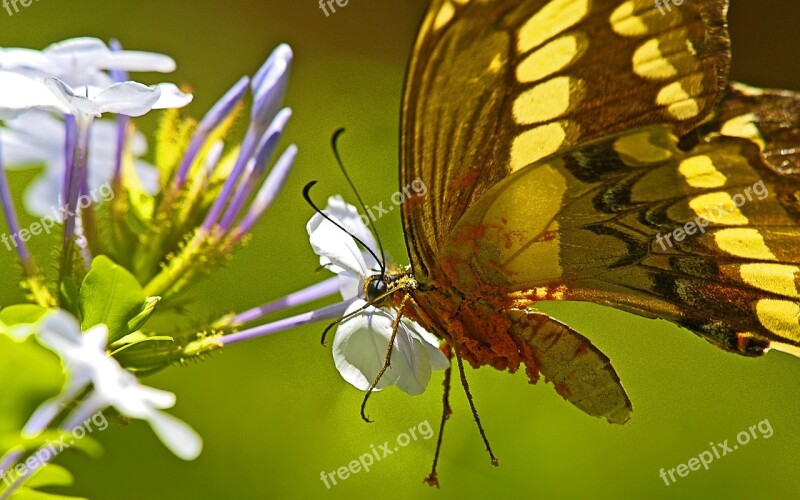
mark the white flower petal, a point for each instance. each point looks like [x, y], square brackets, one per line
[347, 215]
[415, 369]
[359, 351]
[336, 247]
[43, 195]
[127, 98]
[19, 94]
[133, 60]
[77, 47]
[171, 97]
[60, 328]
[77, 101]
[14, 58]
[359, 347]
[349, 286]
[176, 435]
[438, 360]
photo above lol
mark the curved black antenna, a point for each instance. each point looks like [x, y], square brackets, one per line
[307, 197]
[335, 146]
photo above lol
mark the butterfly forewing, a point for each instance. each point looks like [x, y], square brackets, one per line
[495, 85]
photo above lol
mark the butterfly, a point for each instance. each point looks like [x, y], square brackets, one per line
[594, 150]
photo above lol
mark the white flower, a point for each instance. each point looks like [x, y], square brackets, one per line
[338, 252]
[125, 98]
[81, 61]
[86, 362]
[359, 347]
[359, 350]
[20, 94]
[37, 139]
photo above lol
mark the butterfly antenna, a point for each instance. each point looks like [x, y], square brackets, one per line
[307, 197]
[433, 478]
[465, 384]
[335, 146]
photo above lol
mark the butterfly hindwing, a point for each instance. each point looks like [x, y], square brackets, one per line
[580, 373]
[495, 85]
[706, 238]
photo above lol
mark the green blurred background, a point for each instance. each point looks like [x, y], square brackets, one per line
[275, 413]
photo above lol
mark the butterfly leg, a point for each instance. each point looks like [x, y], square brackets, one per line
[465, 385]
[386, 360]
[433, 478]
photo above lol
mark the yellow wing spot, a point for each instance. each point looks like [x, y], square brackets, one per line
[444, 16]
[700, 172]
[536, 143]
[718, 208]
[679, 97]
[552, 58]
[637, 149]
[639, 18]
[776, 278]
[625, 23]
[781, 317]
[548, 100]
[743, 126]
[549, 21]
[649, 62]
[743, 242]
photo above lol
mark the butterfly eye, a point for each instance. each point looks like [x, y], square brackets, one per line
[376, 288]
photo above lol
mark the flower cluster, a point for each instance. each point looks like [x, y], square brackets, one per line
[168, 222]
[171, 219]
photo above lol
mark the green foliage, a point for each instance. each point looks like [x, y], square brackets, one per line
[48, 476]
[31, 374]
[20, 320]
[112, 296]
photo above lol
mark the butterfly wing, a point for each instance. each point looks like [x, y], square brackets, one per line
[706, 237]
[580, 373]
[494, 86]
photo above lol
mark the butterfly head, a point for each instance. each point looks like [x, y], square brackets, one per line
[380, 288]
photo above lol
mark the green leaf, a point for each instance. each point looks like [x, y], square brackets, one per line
[21, 320]
[147, 310]
[51, 475]
[30, 374]
[110, 295]
[22, 313]
[29, 494]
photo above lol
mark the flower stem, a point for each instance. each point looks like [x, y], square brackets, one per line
[327, 312]
[314, 292]
[79, 166]
[7, 203]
